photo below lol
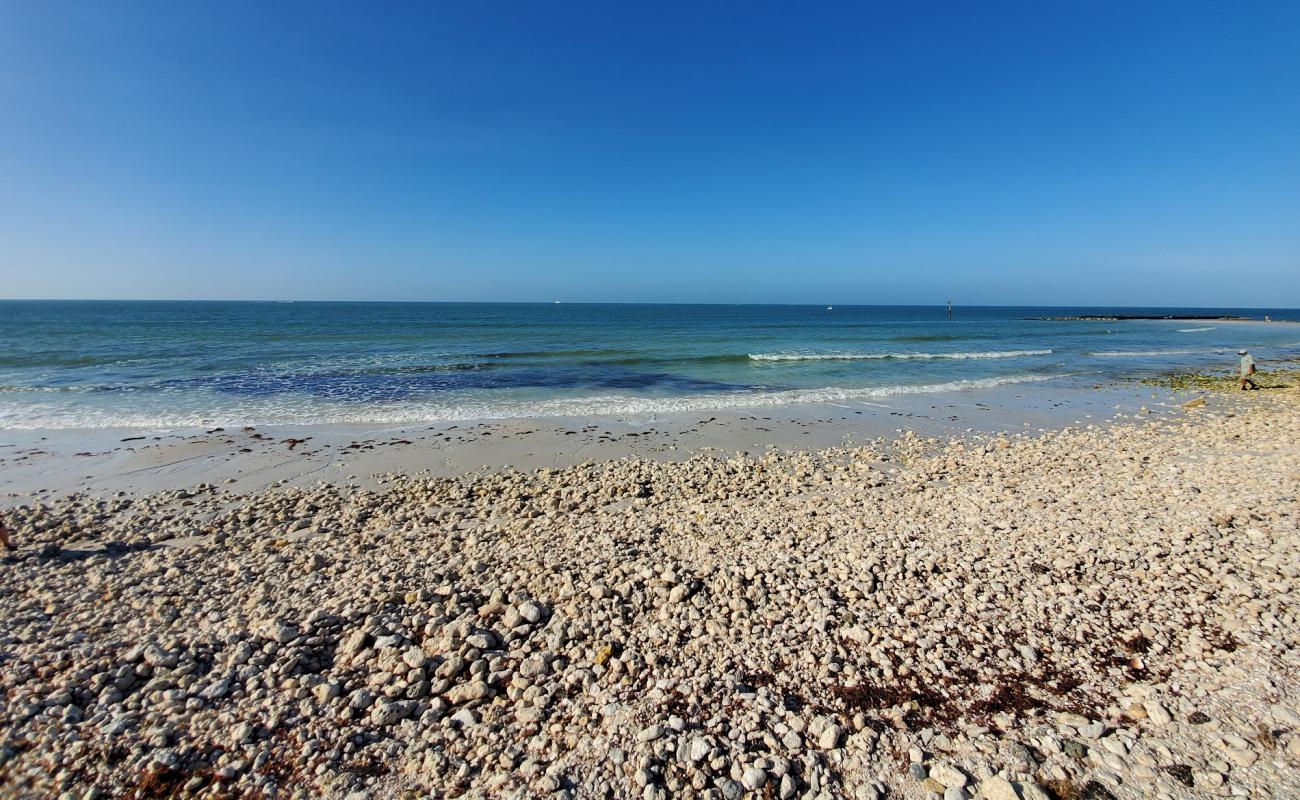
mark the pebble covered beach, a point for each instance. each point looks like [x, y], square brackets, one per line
[1101, 611]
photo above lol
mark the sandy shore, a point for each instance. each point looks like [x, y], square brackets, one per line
[1106, 610]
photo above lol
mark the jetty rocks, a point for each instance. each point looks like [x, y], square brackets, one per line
[1091, 613]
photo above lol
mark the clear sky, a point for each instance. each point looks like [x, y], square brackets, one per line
[1138, 153]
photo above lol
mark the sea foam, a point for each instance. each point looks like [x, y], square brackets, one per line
[899, 356]
[278, 412]
[1127, 353]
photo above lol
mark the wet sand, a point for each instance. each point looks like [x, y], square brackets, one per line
[43, 464]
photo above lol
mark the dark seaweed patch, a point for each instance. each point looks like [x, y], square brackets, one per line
[1180, 772]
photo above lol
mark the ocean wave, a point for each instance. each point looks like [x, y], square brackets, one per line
[404, 413]
[1196, 330]
[892, 356]
[416, 363]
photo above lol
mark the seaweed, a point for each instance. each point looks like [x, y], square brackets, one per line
[1180, 772]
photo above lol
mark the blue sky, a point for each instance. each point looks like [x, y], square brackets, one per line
[1058, 153]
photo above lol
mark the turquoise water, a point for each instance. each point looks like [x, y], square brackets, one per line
[173, 364]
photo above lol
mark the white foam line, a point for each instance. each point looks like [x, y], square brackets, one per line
[609, 405]
[901, 356]
[1125, 353]
[1195, 330]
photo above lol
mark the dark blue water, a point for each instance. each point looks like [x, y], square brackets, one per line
[171, 364]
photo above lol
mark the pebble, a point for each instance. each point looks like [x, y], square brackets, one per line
[948, 775]
[754, 778]
[998, 788]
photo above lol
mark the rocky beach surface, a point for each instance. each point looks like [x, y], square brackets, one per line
[1096, 612]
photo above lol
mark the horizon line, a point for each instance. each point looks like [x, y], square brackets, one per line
[940, 304]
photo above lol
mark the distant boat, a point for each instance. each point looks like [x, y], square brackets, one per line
[828, 308]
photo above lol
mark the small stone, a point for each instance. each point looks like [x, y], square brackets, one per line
[918, 772]
[693, 750]
[384, 714]
[156, 656]
[650, 734]
[1093, 730]
[998, 788]
[414, 657]
[753, 778]
[1157, 713]
[1285, 715]
[483, 640]
[353, 644]
[361, 699]
[535, 666]
[325, 692]
[531, 612]
[948, 775]
[281, 632]
[830, 737]
[242, 733]
[1032, 791]
[468, 692]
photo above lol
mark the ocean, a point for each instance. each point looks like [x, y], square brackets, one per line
[163, 365]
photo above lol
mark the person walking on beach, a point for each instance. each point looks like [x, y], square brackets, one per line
[1247, 369]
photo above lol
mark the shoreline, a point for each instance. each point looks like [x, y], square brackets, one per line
[1103, 610]
[52, 463]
